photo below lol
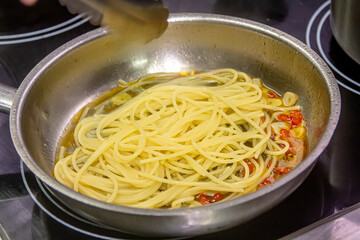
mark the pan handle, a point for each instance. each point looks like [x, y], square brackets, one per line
[7, 95]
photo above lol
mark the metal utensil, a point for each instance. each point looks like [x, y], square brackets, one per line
[146, 17]
[85, 68]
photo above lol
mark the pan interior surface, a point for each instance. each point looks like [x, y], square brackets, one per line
[84, 69]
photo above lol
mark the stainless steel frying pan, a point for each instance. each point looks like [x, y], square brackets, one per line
[88, 66]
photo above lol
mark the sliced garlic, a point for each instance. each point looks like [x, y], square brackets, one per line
[277, 126]
[121, 98]
[276, 114]
[258, 82]
[274, 102]
[299, 132]
[290, 99]
[123, 83]
[263, 100]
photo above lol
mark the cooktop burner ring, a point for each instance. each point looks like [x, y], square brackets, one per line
[319, 28]
[59, 213]
[45, 32]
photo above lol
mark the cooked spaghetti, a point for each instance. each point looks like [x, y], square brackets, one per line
[172, 140]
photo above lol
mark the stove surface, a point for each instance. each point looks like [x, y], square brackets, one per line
[28, 34]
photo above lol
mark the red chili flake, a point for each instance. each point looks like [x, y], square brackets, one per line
[290, 151]
[263, 118]
[269, 164]
[284, 118]
[203, 199]
[282, 170]
[250, 165]
[216, 197]
[284, 134]
[266, 181]
[272, 95]
[281, 145]
[296, 117]
[269, 180]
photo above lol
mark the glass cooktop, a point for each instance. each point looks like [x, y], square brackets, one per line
[28, 34]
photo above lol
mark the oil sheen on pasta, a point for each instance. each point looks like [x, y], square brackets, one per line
[173, 140]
